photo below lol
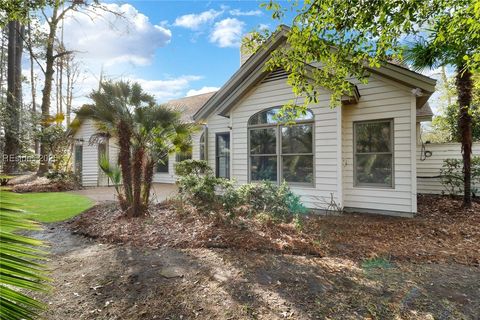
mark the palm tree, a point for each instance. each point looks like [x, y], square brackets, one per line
[145, 132]
[20, 268]
[432, 54]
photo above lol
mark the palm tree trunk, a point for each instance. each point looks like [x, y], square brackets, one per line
[147, 181]
[138, 157]
[124, 142]
[464, 85]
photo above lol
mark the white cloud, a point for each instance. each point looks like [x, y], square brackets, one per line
[170, 88]
[109, 39]
[195, 21]
[193, 92]
[227, 33]
[238, 12]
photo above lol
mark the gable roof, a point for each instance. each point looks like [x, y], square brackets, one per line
[190, 105]
[252, 71]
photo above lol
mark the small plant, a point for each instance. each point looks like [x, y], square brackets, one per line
[377, 263]
[4, 179]
[451, 175]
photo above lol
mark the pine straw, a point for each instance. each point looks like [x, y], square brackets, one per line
[441, 232]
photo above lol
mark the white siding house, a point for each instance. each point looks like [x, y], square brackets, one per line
[325, 157]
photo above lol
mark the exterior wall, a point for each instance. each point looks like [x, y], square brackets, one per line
[216, 124]
[383, 99]
[326, 140]
[90, 154]
[165, 177]
[432, 165]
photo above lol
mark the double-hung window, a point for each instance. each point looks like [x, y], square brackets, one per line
[280, 151]
[373, 153]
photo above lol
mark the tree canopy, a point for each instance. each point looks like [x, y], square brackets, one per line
[346, 38]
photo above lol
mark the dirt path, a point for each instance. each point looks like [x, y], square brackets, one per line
[103, 281]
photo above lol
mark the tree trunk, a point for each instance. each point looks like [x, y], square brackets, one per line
[32, 86]
[138, 208]
[147, 180]
[12, 125]
[47, 89]
[124, 157]
[464, 85]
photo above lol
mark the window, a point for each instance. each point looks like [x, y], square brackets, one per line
[373, 153]
[187, 155]
[280, 152]
[222, 155]
[78, 159]
[203, 146]
[162, 165]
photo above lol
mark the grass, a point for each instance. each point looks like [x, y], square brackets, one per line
[377, 263]
[48, 206]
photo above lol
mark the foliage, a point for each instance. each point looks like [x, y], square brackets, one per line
[196, 167]
[278, 202]
[199, 187]
[347, 38]
[377, 263]
[21, 269]
[146, 133]
[58, 144]
[452, 175]
[4, 179]
[197, 184]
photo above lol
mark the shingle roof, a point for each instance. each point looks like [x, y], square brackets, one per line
[425, 111]
[189, 105]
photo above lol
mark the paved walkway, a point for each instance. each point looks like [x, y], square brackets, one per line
[160, 192]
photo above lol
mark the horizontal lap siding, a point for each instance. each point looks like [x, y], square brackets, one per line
[90, 154]
[381, 99]
[166, 177]
[276, 93]
[432, 165]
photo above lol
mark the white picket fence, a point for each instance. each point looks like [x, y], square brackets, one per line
[431, 166]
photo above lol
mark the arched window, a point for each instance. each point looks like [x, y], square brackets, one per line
[280, 151]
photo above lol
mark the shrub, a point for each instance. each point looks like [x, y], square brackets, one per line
[197, 184]
[278, 202]
[451, 175]
[199, 187]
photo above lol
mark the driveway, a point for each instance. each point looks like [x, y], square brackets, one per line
[160, 192]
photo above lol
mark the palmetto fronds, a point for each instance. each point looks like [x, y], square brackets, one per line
[20, 267]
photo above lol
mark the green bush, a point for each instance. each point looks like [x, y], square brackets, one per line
[196, 183]
[451, 175]
[278, 202]
[199, 187]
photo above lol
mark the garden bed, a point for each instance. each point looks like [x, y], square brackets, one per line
[441, 232]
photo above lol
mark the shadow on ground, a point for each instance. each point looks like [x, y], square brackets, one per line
[104, 281]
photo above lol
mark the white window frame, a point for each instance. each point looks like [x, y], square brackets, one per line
[278, 148]
[392, 153]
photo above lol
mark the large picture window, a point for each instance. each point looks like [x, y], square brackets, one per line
[280, 152]
[373, 153]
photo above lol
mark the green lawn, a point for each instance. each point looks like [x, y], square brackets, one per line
[48, 206]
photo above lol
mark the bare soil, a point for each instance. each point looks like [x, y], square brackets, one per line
[190, 266]
[95, 280]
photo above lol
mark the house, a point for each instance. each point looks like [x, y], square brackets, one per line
[361, 156]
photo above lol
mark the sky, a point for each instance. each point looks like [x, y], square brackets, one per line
[172, 48]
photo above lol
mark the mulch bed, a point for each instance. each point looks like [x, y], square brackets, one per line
[441, 232]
